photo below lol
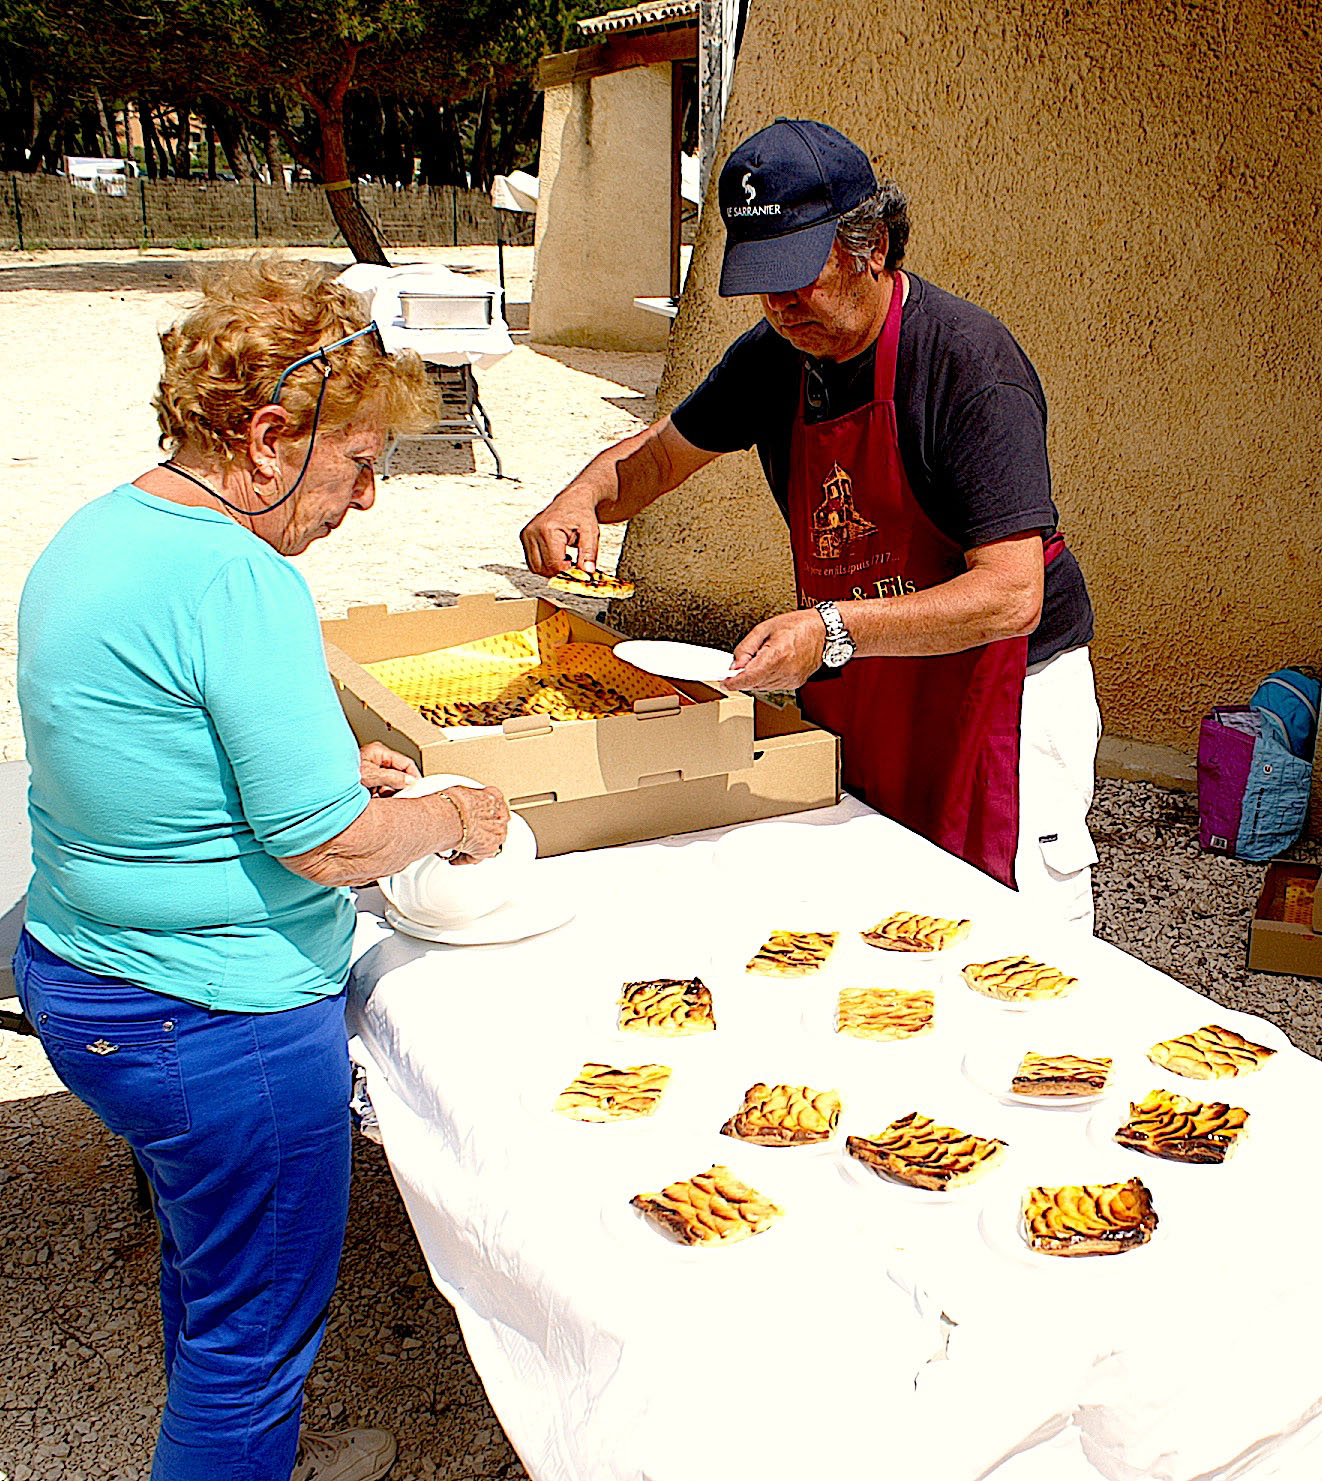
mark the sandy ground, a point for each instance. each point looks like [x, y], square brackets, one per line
[78, 365]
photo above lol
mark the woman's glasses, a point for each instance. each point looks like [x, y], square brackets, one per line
[318, 356]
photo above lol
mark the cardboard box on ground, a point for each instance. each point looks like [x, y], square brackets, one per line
[1286, 933]
[666, 768]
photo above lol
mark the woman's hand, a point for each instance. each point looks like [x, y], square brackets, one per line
[486, 819]
[383, 771]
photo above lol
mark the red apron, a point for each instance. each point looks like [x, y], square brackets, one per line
[930, 742]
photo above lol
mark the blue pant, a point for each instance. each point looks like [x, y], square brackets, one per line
[241, 1121]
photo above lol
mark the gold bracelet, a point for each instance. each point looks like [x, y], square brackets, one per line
[462, 845]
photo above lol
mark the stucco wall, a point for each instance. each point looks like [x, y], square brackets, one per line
[603, 211]
[1137, 192]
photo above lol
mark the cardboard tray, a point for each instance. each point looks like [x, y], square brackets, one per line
[1286, 933]
[666, 768]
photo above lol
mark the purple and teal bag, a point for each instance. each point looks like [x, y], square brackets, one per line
[1254, 771]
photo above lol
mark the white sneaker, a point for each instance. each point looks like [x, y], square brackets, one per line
[352, 1455]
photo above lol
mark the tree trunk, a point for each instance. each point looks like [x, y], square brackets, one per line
[148, 138]
[211, 152]
[220, 125]
[480, 170]
[354, 223]
[273, 161]
[183, 144]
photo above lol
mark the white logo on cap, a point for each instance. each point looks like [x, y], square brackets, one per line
[771, 208]
[748, 188]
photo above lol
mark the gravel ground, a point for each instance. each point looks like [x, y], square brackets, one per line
[80, 1390]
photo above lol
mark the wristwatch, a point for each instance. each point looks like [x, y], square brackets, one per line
[839, 645]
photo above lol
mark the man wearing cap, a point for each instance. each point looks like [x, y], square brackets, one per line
[942, 625]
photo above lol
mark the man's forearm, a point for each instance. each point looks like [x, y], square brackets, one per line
[622, 480]
[387, 836]
[966, 612]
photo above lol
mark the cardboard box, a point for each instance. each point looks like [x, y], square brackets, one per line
[664, 769]
[1286, 933]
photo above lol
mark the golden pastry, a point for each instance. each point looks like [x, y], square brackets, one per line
[784, 1115]
[712, 1207]
[793, 953]
[905, 931]
[1060, 1075]
[884, 1012]
[1018, 979]
[591, 583]
[1164, 1124]
[603, 1093]
[1089, 1218]
[1210, 1053]
[674, 1006]
[917, 1150]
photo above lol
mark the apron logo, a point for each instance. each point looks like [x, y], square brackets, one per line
[836, 523]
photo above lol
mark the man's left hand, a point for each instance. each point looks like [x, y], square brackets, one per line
[383, 771]
[780, 653]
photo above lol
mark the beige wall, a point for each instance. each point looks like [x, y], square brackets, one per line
[603, 211]
[1137, 192]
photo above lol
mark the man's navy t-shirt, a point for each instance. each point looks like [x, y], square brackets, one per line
[972, 423]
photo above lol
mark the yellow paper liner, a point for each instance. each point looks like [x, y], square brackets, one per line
[492, 668]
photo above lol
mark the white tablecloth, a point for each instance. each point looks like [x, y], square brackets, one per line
[875, 1331]
[381, 286]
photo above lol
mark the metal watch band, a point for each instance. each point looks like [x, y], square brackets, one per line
[839, 647]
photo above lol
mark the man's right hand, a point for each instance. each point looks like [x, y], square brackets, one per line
[569, 521]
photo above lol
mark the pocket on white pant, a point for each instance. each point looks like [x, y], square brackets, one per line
[1068, 850]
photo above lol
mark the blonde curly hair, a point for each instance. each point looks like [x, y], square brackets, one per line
[253, 320]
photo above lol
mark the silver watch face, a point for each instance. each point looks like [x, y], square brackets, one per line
[837, 653]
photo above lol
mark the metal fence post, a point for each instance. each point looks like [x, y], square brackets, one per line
[454, 215]
[256, 227]
[142, 196]
[18, 211]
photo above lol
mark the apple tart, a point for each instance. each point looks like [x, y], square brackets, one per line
[1089, 1218]
[918, 1151]
[1210, 1053]
[793, 953]
[784, 1116]
[905, 931]
[712, 1207]
[1018, 979]
[673, 1006]
[602, 1093]
[884, 1012]
[1164, 1124]
[1060, 1075]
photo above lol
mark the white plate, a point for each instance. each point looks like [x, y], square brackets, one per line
[991, 1067]
[676, 660]
[859, 1175]
[513, 922]
[1106, 1120]
[1001, 1225]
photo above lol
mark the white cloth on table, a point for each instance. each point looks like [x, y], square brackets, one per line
[381, 286]
[871, 1332]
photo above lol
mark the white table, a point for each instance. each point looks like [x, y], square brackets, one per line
[452, 354]
[874, 1331]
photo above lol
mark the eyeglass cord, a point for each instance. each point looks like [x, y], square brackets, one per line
[285, 497]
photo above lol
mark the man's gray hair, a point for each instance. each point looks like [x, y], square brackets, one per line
[883, 215]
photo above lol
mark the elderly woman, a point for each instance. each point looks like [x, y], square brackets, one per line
[198, 808]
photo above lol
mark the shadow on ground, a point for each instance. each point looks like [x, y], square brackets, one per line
[148, 275]
[635, 369]
[81, 1385]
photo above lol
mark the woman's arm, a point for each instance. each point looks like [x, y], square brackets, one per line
[391, 832]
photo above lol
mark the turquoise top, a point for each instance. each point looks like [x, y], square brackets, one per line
[183, 736]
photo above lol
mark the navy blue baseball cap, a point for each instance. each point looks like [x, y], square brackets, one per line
[781, 193]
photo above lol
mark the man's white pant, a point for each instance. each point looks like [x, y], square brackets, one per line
[1058, 734]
